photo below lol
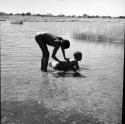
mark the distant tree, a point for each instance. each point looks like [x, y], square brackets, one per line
[38, 14]
[23, 14]
[61, 15]
[106, 17]
[79, 16]
[94, 16]
[43, 15]
[91, 16]
[2, 13]
[49, 15]
[68, 16]
[121, 17]
[10, 14]
[28, 13]
[17, 14]
[97, 16]
[109, 17]
[73, 16]
[85, 15]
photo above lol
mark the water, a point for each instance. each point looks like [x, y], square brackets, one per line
[96, 97]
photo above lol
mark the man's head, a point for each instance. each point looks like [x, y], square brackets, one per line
[78, 55]
[66, 44]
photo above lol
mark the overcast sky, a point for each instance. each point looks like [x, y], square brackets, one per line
[67, 7]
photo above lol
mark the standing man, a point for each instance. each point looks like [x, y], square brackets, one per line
[57, 42]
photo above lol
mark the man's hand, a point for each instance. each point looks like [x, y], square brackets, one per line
[67, 59]
[61, 62]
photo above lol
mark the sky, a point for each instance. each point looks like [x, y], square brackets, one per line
[66, 7]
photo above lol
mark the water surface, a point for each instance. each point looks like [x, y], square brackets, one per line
[37, 97]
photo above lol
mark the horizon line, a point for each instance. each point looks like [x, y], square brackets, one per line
[51, 14]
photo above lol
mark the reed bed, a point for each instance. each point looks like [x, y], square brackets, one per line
[102, 32]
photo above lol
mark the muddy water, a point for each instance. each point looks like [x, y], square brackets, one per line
[30, 96]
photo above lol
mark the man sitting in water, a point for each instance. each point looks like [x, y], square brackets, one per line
[68, 65]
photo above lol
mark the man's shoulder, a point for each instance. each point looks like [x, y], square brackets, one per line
[73, 61]
[59, 38]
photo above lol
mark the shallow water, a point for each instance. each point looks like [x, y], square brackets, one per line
[95, 97]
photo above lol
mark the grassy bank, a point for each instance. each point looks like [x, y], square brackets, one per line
[103, 32]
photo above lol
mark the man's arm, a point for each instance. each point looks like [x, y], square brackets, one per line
[64, 55]
[63, 52]
[54, 54]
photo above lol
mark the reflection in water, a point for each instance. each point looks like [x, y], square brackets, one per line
[54, 106]
[52, 91]
[31, 112]
[68, 74]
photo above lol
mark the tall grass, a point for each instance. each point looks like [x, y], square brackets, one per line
[101, 31]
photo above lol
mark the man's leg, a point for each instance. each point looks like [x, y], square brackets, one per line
[45, 56]
[42, 62]
[46, 60]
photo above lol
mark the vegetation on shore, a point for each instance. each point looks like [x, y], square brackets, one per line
[102, 32]
[60, 15]
[94, 28]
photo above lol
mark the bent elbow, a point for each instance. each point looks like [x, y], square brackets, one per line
[53, 56]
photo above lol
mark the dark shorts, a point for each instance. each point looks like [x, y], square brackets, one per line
[40, 39]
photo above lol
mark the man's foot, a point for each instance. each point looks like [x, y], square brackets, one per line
[43, 70]
[77, 74]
